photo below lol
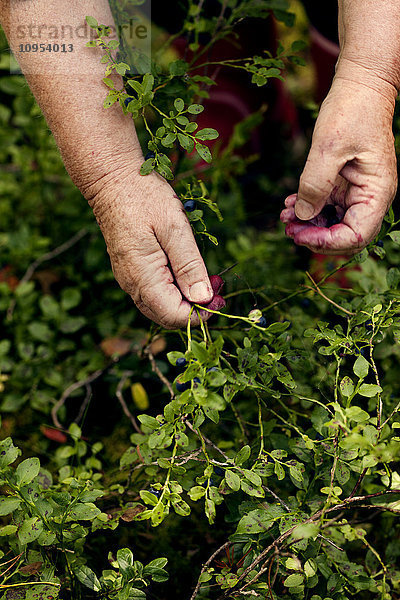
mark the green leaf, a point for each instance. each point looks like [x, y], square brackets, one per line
[294, 580]
[124, 559]
[30, 530]
[251, 490]
[87, 577]
[204, 152]
[27, 470]
[395, 236]
[148, 166]
[186, 142]
[242, 455]
[40, 331]
[393, 278]
[92, 22]
[252, 477]
[158, 514]
[207, 134]
[149, 421]
[136, 594]
[8, 452]
[179, 104]
[357, 414]
[233, 480]
[70, 298]
[147, 83]
[158, 563]
[178, 68]
[195, 109]
[346, 387]
[84, 512]
[369, 390]
[298, 46]
[8, 530]
[197, 492]
[361, 367]
[8, 505]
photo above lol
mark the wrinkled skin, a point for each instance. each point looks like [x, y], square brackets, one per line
[351, 165]
[151, 246]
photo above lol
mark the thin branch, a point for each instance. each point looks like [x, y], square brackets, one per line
[122, 402]
[66, 394]
[316, 289]
[48, 256]
[84, 404]
[206, 565]
[157, 371]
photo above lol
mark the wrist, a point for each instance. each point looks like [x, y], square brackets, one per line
[368, 75]
[106, 171]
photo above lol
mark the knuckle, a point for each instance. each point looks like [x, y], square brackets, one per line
[312, 189]
[189, 267]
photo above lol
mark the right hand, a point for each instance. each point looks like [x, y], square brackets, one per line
[351, 165]
[153, 253]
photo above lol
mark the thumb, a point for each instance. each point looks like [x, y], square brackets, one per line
[316, 183]
[185, 259]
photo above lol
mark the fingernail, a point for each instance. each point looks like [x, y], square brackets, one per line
[199, 292]
[304, 210]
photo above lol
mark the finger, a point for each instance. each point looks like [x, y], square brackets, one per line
[336, 239]
[288, 215]
[290, 201]
[164, 305]
[318, 180]
[176, 239]
[142, 271]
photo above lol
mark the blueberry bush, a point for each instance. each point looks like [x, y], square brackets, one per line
[253, 457]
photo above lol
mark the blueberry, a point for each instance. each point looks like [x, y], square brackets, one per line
[368, 325]
[332, 221]
[196, 380]
[379, 243]
[218, 471]
[156, 493]
[181, 362]
[127, 101]
[149, 155]
[262, 322]
[190, 206]
[329, 211]
[305, 302]
[212, 369]
[182, 387]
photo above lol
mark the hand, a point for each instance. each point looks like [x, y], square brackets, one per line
[352, 166]
[153, 253]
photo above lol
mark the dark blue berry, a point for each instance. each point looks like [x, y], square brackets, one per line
[190, 206]
[218, 471]
[182, 387]
[196, 380]
[127, 101]
[212, 369]
[156, 493]
[305, 302]
[368, 325]
[149, 155]
[379, 243]
[262, 322]
[181, 362]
